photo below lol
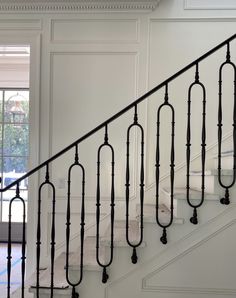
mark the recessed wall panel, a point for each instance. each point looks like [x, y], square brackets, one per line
[87, 89]
[94, 31]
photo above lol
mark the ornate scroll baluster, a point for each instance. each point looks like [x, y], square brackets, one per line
[82, 224]
[134, 257]
[172, 165]
[9, 257]
[105, 276]
[38, 243]
[194, 218]
[226, 199]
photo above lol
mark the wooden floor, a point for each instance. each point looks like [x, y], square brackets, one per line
[15, 271]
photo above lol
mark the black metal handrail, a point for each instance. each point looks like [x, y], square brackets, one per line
[120, 113]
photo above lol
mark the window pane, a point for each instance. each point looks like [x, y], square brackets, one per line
[0, 143]
[16, 106]
[17, 205]
[14, 149]
[1, 99]
[13, 168]
[16, 140]
[17, 210]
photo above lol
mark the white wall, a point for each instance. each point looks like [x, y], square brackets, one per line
[94, 63]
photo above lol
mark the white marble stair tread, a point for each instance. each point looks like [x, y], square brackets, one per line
[59, 274]
[120, 233]
[212, 172]
[227, 153]
[164, 213]
[180, 194]
[30, 281]
[89, 260]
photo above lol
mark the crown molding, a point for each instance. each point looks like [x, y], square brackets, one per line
[35, 6]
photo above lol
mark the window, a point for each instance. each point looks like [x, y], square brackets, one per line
[14, 147]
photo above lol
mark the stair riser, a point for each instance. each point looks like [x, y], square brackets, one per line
[226, 163]
[183, 210]
[212, 185]
[56, 294]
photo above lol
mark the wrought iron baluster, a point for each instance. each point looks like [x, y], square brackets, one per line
[82, 224]
[226, 199]
[163, 238]
[9, 256]
[38, 243]
[194, 218]
[23, 245]
[105, 276]
[134, 257]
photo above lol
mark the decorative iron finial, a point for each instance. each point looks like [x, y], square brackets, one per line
[134, 257]
[164, 237]
[225, 200]
[194, 219]
[74, 293]
[105, 276]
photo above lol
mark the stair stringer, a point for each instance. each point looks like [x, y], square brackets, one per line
[138, 283]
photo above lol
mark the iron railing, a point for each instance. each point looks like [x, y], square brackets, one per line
[106, 143]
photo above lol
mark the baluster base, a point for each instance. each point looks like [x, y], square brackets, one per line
[163, 238]
[74, 293]
[225, 200]
[134, 257]
[105, 276]
[194, 219]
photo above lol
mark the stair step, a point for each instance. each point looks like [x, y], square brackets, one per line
[90, 263]
[56, 291]
[150, 214]
[120, 233]
[224, 154]
[212, 172]
[180, 194]
[59, 275]
[226, 160]
[212, 185]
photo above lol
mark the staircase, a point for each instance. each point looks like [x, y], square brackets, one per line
[130, 255]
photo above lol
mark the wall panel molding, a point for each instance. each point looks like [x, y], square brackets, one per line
[97, 31]
[192, 20]
[20, 24]
[76, 5]
[210, 230]
[209, 5]
[133, 55]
